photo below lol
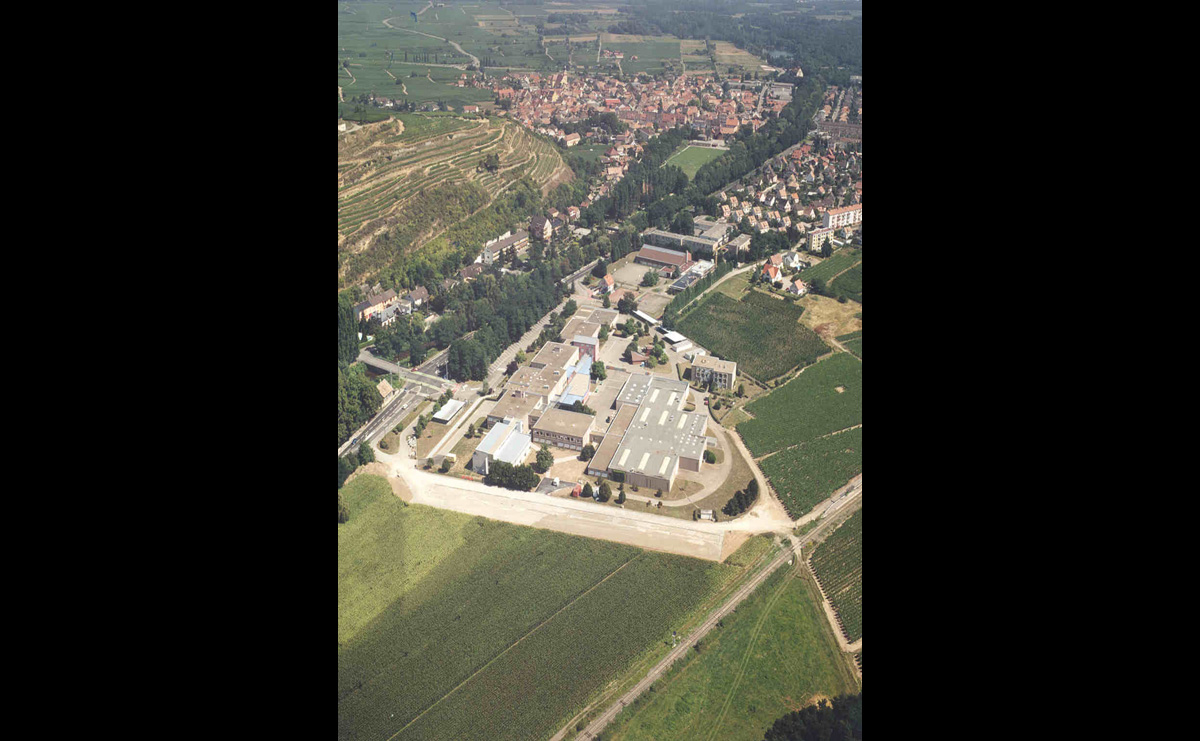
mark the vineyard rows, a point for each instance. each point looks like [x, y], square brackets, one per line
[371, 187]
[808, 474]
[806, 407]
[837, 564]
[831, 266]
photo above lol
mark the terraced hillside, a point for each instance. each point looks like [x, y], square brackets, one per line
[414, 175]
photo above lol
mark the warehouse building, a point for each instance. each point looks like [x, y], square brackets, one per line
[651, 438]
[659, 257]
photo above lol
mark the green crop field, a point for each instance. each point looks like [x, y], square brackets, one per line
[761, 334]
[775, 653]
[854, 346]
[808, 474]
[378, 38]
[452, 626]
[652, 56]
[832, 265]
[838, 564]
[806, 407]
[691, 159]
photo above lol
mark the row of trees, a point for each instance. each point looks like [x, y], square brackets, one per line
[520, 478]
[742, 500]
[358, 400]
[350, 462]
[836, 720]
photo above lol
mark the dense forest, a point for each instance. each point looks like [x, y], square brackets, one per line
[840, 720]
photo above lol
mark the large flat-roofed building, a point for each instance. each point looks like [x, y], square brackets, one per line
[504, 442]
[659, 257]
[547, 382]
[661, 438]
[844, 216]
[563, 429]
[604, 317]
[517, 405]
[708, 239]
[557, 355]
[634, 391]
[609, 441]
[723, 373]
[580, 326]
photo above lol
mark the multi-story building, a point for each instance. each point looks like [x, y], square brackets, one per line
[504, 247]
[563, 429]
[722, 373]
[816, 238]
[844, 216]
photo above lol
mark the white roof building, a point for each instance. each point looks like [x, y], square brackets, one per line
[447, 412]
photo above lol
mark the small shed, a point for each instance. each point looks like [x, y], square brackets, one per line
[447, 412]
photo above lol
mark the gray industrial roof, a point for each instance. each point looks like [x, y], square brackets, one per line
[660, 431]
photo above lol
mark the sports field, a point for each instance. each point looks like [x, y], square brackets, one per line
[452, 626]
[691, 159]
[761, 334]
[824, 398]
[774, 654]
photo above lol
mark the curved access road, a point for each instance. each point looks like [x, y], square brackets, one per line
[475, 59]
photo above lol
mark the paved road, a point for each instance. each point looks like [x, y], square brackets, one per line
[606, 522]
[386, 418]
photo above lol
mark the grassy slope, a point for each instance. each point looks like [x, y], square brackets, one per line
[428, 597]
[776, 652]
